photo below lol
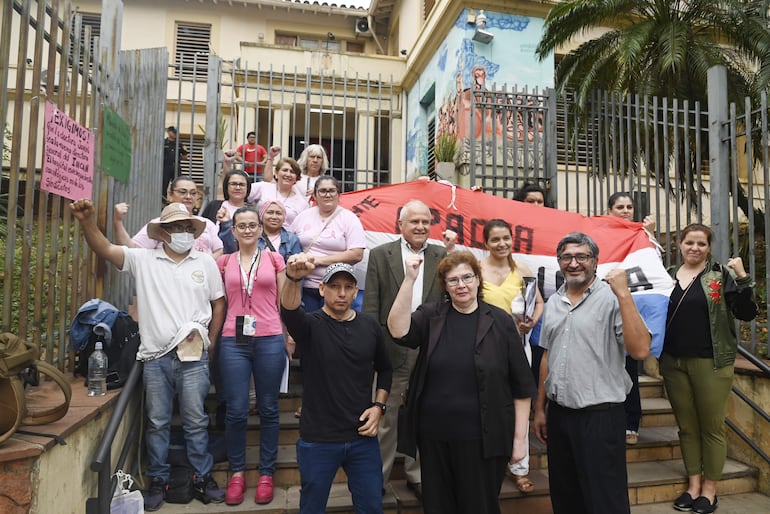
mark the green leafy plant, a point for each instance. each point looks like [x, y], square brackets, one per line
[221, 129]
[445, 149]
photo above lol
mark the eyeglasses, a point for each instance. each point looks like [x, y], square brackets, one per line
[582, 258]
[178, 229]
[192, 193]
[243, 227]
[237, 185]
[326, 192]
[455, 281]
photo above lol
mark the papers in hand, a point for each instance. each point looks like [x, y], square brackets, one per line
[523, 305]
[530, 296]
[191, 348]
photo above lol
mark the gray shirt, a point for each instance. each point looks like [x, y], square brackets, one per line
[586, 352]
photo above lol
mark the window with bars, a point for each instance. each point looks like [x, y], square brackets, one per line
[93, 20]
[193, 165]
[192, 50]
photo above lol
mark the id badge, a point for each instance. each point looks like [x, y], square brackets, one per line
[249, 325]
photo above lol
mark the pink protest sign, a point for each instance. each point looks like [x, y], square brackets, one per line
[68, 162]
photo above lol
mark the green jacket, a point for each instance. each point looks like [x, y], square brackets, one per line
[728, 298]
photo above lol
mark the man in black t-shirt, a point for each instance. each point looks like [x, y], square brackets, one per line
[341, 350]
[172, 158]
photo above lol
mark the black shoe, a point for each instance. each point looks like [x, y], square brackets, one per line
[207, 491]
[416, 489]
[155, 495]
[684, 502]
[701, 505]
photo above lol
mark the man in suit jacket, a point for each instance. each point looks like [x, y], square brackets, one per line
[384, 276]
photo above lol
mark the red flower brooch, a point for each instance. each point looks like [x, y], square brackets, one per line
[715, 287]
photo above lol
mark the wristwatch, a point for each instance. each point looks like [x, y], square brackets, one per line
[382, 406]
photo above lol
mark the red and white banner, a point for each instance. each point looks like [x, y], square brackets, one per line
[536, 232]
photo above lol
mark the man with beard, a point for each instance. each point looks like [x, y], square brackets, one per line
[589, 326]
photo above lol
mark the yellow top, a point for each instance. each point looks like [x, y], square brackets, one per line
[502, 295]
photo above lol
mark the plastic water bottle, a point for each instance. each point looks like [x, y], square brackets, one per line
[97, 371]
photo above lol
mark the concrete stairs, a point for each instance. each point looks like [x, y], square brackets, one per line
[655, 470]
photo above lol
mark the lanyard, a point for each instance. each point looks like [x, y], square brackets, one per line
[248, 279]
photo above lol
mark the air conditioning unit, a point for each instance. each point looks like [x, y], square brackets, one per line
[362, 28]
[44, 81]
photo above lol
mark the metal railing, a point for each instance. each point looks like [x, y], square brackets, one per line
[102, 462]
[765, 369]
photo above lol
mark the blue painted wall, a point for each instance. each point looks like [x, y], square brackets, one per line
[461, 64]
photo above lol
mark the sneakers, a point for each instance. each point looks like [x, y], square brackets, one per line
[154, 496]
[264, 490]
[207, 490]
[632, 437]
[235, 490]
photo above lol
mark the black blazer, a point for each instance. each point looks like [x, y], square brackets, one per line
[502, 374]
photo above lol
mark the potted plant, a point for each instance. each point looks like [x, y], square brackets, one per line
[445, 152]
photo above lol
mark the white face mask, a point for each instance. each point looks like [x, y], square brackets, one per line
[181, 243]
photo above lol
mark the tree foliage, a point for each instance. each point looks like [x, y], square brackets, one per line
[660, 47]
[664, 49]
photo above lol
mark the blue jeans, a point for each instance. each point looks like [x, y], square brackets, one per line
[263, 358]
[164, 377]
[319, 462]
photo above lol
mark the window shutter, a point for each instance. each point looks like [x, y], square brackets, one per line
[192, 50]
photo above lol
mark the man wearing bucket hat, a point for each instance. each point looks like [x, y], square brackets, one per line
[341, 348]
[181, 309]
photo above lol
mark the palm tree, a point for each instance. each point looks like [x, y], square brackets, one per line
[661, 48]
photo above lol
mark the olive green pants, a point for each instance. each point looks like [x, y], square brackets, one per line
[698, 395]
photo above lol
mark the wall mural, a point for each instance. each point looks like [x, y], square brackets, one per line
[491, 72]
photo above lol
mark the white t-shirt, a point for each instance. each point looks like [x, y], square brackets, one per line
[171, 295]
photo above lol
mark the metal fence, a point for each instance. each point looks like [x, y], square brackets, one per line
[676, 158]
[48, 54]
[351, 116]
[45, 261]
[512, 140]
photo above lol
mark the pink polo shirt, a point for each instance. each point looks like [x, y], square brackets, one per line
[262, 300]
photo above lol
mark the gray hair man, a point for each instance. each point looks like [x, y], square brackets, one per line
[384, 275]
[589, 326]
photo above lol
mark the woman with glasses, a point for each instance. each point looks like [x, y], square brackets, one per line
[251, 347]
[282, 189]
[181, 190]
[504, 286]
[328, 233]
[469, 395]
[235, 189]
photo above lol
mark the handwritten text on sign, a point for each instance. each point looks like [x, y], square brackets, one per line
[68, 156]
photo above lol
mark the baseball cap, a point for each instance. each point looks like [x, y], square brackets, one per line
[338, 267]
